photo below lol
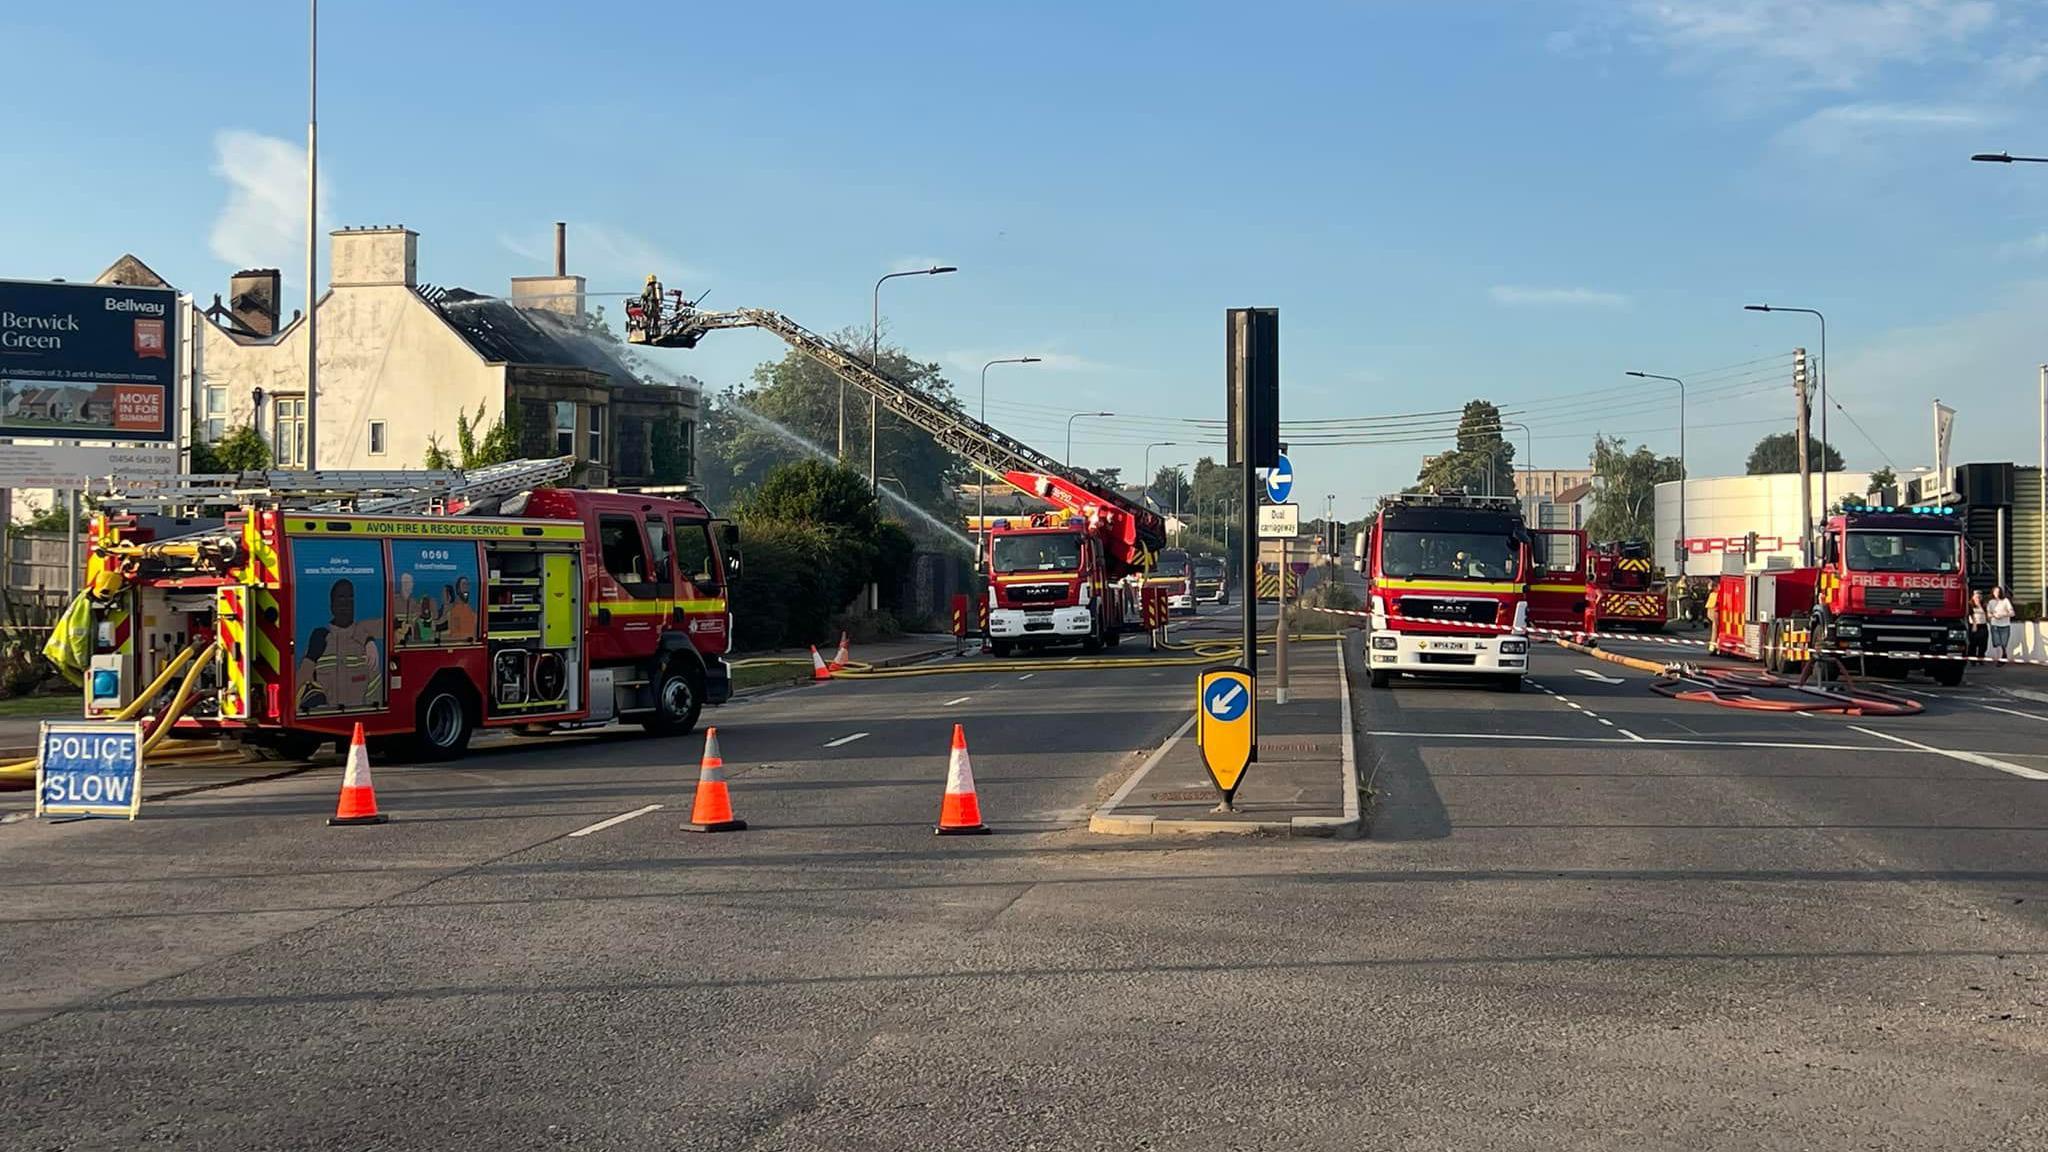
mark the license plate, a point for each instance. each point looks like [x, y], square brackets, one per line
[1443, 645]
[1039, 617]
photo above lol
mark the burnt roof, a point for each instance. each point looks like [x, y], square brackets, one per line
[500, 332]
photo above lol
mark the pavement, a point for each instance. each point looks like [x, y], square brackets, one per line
[1585, 916]
[1305, 781]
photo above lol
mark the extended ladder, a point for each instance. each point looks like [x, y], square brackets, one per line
[395, 491]
[1136, 531]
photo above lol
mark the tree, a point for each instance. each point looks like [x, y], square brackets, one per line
[1170, 489]
[1779, 452]
[242, 449]
[790, 409]
[669, 453]
[1880, 480]
[816, 494]
[1482, 463]
[1625, 489]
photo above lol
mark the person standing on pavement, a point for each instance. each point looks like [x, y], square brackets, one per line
[1998, 612]
[1980, 627]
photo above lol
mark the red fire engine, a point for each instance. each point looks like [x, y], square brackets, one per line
[1622, 590]
[1448, 581]
[411, 603]
[1889, 592]
[1109, 539]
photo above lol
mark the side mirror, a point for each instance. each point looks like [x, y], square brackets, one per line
[729, 535]
[1828, 554]
[732, 560]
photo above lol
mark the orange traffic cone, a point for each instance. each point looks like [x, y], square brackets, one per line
[819, 671]
[960, 812]
[845, 654]
[358, 799]
[713, 810]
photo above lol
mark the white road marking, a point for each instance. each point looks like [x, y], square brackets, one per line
[1589, 674]
[2010, 711]
[1808, 715]
[846, 740]
[621, 818]
[1604, 720]
[1910, 691]
[1027, 676]
[1797, 745]
[956, 700]
[1575, 704]
[1976, 758]
[1630, 735]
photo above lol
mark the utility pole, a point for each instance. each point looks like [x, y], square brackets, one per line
[1805, 465]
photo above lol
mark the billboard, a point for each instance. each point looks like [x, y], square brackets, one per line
[88, 361]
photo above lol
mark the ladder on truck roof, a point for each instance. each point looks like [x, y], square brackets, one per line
[1134, 531]
[395, 491]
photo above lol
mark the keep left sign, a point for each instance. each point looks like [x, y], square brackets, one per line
[87, 768]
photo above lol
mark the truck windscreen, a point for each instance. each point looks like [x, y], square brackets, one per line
[1450, 555]
[1208, 569]
[1038, 552]
[1902, 551]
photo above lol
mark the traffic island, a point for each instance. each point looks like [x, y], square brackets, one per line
[1304, 784]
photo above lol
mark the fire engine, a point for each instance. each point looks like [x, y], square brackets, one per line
[1448, 584]
[1175, 576]
[1622, 590]
[1110, 540]
[1049, 583]
[418, 604]
[1889, 591]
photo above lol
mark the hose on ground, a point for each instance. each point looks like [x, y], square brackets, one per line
[196, 655]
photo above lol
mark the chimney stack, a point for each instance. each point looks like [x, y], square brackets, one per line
[253, 300]
[561, 248]
[561, 292]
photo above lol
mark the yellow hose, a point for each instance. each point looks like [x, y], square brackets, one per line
[27, 768]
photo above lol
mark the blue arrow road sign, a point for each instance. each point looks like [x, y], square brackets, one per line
[1226, 700]
[1280, 481]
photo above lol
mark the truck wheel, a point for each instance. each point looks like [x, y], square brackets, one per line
[1092, 643]
[1947, 673]
[1380, 680]
[1507, 684]
[678, 700]
[999, 648]
[1114, 637]
[443, 721]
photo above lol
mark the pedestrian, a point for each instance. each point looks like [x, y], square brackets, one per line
[1980, 627]
[1998, 612]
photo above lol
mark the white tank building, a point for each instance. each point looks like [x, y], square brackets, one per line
[1721, 512]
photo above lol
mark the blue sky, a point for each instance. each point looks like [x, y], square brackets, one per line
[1446, 199]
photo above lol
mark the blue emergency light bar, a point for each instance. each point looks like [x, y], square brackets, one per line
[1922, 509]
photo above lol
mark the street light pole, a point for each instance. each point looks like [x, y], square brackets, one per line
[875, 362]
[1070, 432]
[2008, 158]
[1685, 549]
[1147, 478]
[312, 425]
[1816, 313]
[1176, 490]
[981, 482]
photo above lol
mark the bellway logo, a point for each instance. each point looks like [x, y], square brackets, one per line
[146, 307]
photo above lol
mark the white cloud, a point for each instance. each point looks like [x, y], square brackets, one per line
[1845, 128]
[2035, 245]
[605, 256]
[1984, 364]
[1826, 44]
[263, 223]
[1518, 296]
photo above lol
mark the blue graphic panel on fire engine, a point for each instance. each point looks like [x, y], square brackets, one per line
[338, 639]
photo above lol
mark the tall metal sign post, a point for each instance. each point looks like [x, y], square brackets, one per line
[1252, 396]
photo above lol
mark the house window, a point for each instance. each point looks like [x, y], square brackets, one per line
[376, 437]
[565, 427]
[215, 414]
[597, 433]
[534, 428]
[288, 431]
[632, 458]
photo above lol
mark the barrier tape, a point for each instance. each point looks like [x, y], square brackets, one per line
[1580, 634]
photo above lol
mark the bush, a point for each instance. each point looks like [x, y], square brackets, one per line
[242, 449]
[798, 579]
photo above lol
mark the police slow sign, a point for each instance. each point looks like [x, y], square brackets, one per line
[89, 768]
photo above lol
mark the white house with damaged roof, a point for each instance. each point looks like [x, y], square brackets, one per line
[399, 361]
